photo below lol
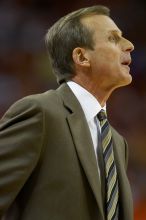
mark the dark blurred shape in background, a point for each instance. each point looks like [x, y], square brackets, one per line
[25, 69]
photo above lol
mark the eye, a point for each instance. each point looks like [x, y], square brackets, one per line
[113, 38]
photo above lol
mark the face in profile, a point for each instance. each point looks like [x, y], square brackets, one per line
[110, 59]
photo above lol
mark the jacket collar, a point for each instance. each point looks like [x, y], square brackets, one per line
[83, 142]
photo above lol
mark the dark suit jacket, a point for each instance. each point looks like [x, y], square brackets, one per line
[48, 169]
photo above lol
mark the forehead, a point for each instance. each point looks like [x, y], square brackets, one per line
[101, 24]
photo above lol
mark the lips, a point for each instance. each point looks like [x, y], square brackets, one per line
[126, 62]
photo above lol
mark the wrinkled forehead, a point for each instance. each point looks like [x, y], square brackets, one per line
[100, 24]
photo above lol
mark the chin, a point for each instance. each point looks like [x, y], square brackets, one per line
[126, 81]
[123, 81]
[126, 78]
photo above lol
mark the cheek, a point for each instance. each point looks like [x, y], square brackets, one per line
[106, 61]
[109, 55]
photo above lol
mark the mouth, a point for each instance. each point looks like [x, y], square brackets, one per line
[125, 63]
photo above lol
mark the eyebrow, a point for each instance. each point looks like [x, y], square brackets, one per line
[116, 32]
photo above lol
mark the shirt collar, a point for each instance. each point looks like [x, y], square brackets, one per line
[89, 103]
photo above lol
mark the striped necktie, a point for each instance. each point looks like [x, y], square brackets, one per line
[111, 180]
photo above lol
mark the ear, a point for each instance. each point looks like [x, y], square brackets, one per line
[79, 56]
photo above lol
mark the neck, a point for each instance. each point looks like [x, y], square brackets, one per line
[100, 93]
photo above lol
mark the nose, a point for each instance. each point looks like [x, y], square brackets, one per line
[128, 45]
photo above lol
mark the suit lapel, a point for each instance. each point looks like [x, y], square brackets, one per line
[82, 141]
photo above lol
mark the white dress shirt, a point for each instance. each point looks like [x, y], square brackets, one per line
[91, 108]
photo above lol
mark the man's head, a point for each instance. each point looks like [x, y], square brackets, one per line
[88, 47]
[67, 34]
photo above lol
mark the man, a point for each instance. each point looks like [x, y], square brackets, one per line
[59, 158]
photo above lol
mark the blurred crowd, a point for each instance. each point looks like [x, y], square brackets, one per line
[25, 69]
